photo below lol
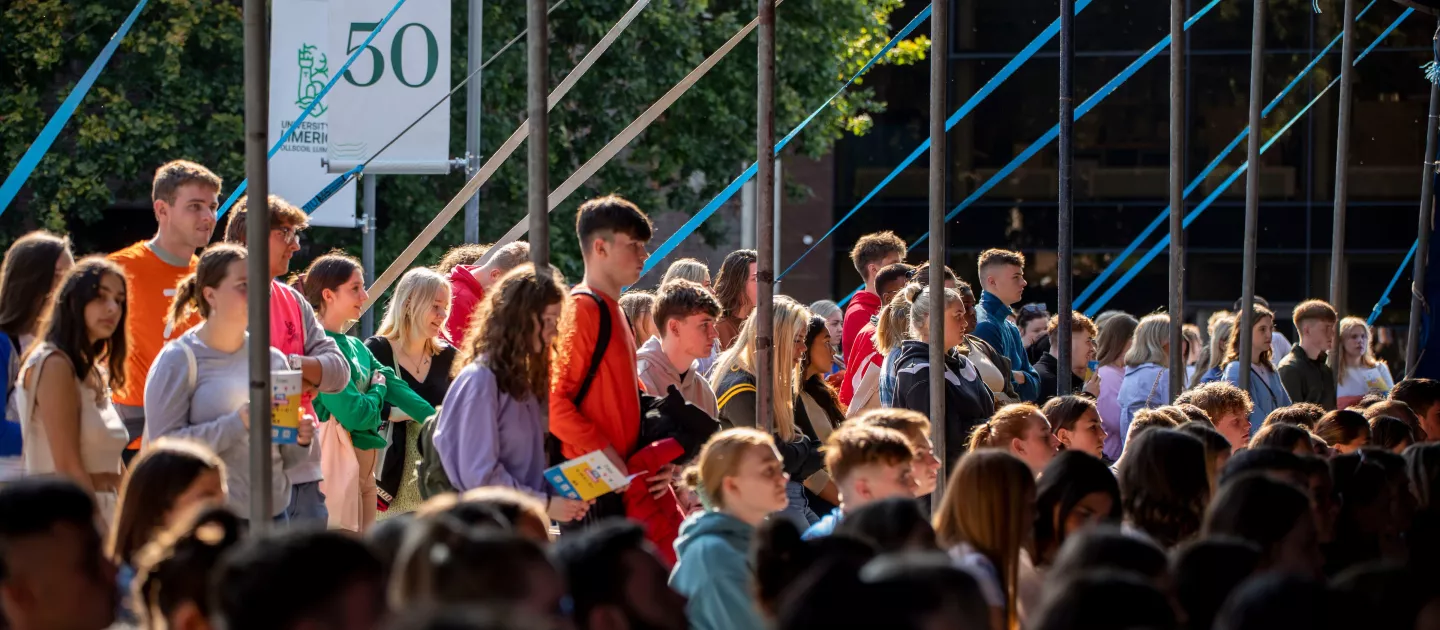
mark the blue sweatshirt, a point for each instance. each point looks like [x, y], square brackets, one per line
[713, 572]
[993, 326]
[1266, 391]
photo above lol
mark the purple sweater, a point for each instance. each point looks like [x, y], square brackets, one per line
[486, 438]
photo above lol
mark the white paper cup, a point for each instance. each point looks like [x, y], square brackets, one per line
[286, 388]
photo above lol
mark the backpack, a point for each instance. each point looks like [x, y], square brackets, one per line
[434, 480]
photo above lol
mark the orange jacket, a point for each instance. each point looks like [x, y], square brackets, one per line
[610, 413]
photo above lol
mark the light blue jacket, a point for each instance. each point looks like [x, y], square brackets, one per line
[713, 571]
[993, 326]
[1146, 386]
[1267, 393]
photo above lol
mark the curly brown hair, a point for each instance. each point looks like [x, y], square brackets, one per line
[505, 327]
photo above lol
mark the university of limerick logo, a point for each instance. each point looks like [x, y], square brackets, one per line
[314, 74]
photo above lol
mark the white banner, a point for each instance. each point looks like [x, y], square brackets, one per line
[400, 74]
[299, 69]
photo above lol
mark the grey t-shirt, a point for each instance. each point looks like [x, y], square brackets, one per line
[209, 412]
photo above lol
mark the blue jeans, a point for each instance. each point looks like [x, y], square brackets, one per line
[798, 511]
[307, 506]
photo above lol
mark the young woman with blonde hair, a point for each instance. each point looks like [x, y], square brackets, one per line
[687, 269]
[334, 285]
[986, 518]
[410, 340]
[1023, 431]
[968, 400]
[1211, 368]
[1358, 372]
[1266, 391]
[741, 480]
[1147, 379]
[734, 384]
[491, 427]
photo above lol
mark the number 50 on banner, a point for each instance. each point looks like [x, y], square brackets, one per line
[401, 73]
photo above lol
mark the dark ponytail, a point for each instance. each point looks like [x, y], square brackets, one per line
[327, 272]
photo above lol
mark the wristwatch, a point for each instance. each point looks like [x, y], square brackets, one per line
[294, 361]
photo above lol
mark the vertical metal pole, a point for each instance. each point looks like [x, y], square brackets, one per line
[1252, 194]
[1426, 222]
[764, 220]
[1177, 195]
[538, 87]
[747, 213]
[939, 57]
[367, 252]
[473, 51]
[779, 193]
[1342, 170]
[257, 236]
[1066, 231]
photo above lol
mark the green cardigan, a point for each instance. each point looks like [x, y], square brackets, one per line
[359, 412]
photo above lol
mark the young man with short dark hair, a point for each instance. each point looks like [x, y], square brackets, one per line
[872, 253]
[1082, 352]
[1304, 372]
[299, 580]
[54, 575]
[916, 428]
[613, 233]
[1002, 278]
[616, 582]
[184, 197]
[1423, 396]
[868, 464]
[685, 314]
[296, 331]
[468, 284]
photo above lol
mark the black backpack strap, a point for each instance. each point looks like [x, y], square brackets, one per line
[602, 342]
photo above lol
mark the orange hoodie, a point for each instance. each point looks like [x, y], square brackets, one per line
[610, 413]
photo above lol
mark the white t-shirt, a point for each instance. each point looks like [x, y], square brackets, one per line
[1359, 381]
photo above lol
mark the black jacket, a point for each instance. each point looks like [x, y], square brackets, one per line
[968, 402]
[1048, 367]
[736, 397]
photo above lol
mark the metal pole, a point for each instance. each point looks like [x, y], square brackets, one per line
[1422, 252]
[765, 218]
[538, 86]
[779, 186]
[1252, 195]
[1067, 197]
[940, 48]
[747, 213]
[257, 237]
[1177, 195]
[473, 108]
[1342, 171]
[367, 252]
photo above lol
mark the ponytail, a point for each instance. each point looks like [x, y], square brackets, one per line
[981, 437]
[212, 269]
[1009, 423]
[327, 272]
[187, 301]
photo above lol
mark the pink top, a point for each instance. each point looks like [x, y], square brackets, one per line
[1109, 404]
[287, 331]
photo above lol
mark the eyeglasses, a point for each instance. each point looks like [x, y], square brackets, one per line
[1033, 307]
[290, 234]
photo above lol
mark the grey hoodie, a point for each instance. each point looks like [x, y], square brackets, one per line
[657, 374]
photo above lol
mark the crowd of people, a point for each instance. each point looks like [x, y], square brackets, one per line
[414, 493]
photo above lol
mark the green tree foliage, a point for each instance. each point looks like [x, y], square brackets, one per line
[174, 89]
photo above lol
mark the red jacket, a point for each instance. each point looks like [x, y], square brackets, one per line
[465, 296]
[661, 517]
[863, 307]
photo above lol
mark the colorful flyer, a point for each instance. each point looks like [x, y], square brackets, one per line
[587, 477]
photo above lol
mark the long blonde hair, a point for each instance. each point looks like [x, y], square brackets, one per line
[791, 321]
[1219, 341]
[1367, 357]
[1152, 339]
[989, 504]
[893, 326]
[720, 458]
[405, 314]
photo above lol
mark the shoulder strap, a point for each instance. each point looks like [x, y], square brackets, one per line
[602, 341]
[191, 368]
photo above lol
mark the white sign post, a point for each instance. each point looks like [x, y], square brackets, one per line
[300, 65]
[404, 71]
